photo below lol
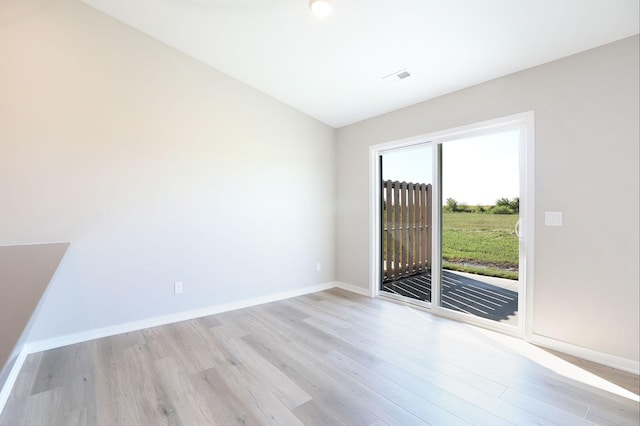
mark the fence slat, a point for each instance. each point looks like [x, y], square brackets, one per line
[389, 225]
[428, 226]
[425, 225]
[397, 224]
[411, 228]
[402, 259]
[419, 225]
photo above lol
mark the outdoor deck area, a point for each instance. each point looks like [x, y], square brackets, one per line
[486, 297]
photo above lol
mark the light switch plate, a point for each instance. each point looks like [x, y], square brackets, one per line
[553, 218]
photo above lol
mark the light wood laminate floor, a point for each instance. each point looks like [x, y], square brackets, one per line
[328, 358]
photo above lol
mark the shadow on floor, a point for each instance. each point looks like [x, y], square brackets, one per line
[461, 293]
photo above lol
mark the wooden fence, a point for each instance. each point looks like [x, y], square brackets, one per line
[406, 224]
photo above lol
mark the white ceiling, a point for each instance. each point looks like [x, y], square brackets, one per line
[332, 68]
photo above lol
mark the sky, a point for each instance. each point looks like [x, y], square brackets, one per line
[475, 171]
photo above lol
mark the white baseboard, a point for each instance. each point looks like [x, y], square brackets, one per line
[7, 386]
[609, 360]
[352, 288]
[56, 342]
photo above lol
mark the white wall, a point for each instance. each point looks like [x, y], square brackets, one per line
[156, 168]
[586, 151]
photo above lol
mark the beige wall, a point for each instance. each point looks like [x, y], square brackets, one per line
[586, 153]
[157, 168]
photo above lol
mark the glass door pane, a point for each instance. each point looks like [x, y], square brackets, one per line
[480, 180]
[406, 209]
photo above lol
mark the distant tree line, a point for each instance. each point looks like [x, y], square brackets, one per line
[502, 206]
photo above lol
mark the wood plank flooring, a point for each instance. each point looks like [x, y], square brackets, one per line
[329, 358]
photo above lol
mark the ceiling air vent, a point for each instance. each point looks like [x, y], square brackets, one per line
[398, 75]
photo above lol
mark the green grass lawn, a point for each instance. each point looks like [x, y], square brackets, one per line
[480, 243]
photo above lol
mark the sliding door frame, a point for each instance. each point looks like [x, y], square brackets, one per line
[523, 122]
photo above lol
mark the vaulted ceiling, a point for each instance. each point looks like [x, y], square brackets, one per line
[344, 68]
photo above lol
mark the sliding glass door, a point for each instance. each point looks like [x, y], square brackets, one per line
[452, 215]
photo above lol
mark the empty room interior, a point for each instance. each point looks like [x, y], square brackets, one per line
[319, 212]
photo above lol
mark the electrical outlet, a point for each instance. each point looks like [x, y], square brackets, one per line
[177, 287]
[318, 266]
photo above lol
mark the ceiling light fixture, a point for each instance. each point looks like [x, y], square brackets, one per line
[320, 8]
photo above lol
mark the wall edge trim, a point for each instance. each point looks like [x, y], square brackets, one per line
[353, 288]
